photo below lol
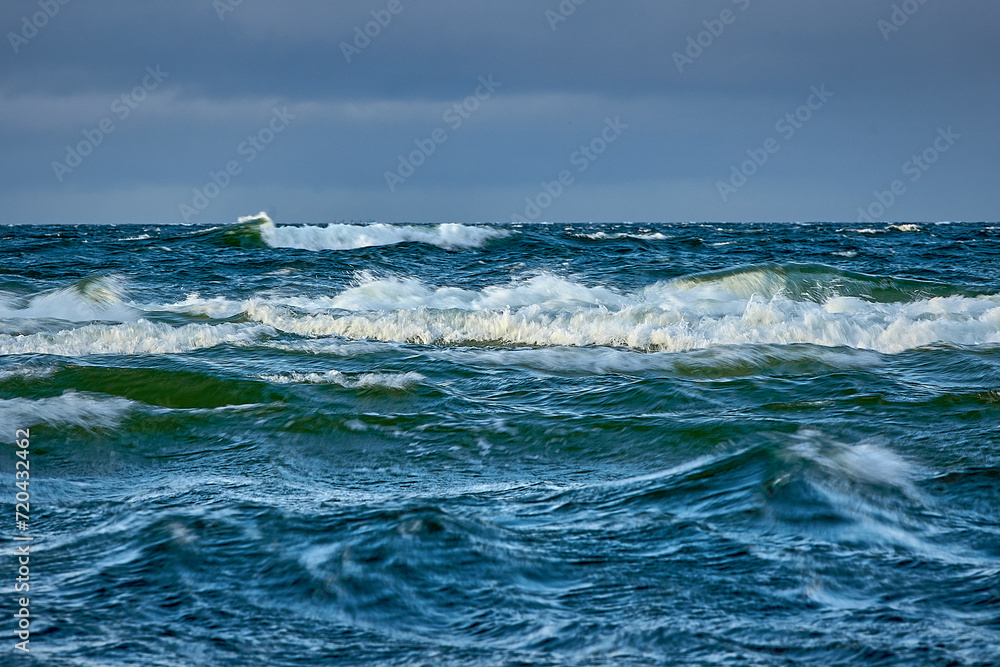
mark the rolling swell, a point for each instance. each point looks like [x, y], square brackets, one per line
[470, 572]
[819, 282]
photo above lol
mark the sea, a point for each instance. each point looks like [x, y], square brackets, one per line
[500, 444]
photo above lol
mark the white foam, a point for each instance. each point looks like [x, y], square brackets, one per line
[215, 307]
[746, 308]
[641, 236]
[33, 372]
[349, 237]
[140, 337]
[70, 409]
[903, 227]
[663, 317]
[328, 346]
[864, 462]
[372, 294]
[388, 380]
[97, 299]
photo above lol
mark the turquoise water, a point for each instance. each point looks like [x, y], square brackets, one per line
[582, 444]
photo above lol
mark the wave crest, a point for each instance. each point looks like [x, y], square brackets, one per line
[140, 337]
[89, 299]
[755, 306]
[260, 231]
[818, 282]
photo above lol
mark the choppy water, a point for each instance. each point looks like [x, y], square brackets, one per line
[505, 445]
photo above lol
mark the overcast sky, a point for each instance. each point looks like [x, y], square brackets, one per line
[646, 110]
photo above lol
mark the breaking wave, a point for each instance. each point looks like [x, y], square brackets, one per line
[69, 409]
[140, 337]
[818, 282]
[638, 236]
[260, 231]
[756, 305]
[90, 299]
[753, 305]
[902, 227]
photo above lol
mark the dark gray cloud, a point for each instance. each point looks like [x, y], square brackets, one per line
[352, 120]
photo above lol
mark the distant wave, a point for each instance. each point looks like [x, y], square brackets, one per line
[639, 236]
[904, 227]
[260, 230]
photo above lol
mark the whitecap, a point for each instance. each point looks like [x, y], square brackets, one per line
[100, 298]
[69, 409]
[140, 337]
[751, 307]
[640, 236]
[664, 319]
[387, 380]
[336, 236]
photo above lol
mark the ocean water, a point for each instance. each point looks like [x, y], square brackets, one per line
[614, 444]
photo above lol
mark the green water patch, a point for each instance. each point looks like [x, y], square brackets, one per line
[154, 386]
[245, 234]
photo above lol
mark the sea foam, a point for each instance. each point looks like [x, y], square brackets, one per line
[69, 409]
[386, 380]
[100, 298]
[668, 316]
[348, 237]
[140, 337]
